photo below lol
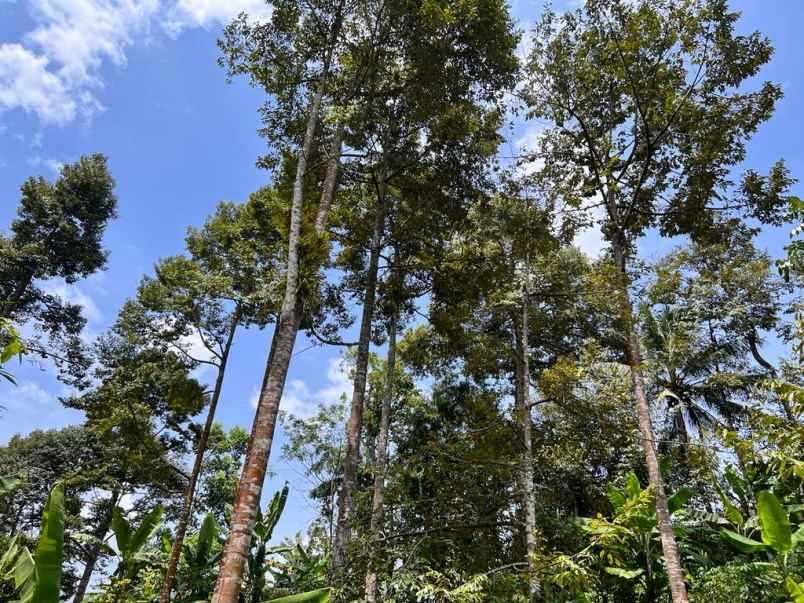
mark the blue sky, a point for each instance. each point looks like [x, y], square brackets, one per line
[137, 81]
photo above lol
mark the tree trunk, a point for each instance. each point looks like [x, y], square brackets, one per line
[378, 495]
[355, 424]
[92, 559]
[672, 558]
[189, 494]
[522, 364]
[249, 490]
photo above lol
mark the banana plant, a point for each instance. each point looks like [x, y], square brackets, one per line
[777, 539]
[130, 542]
[37, 578]
[628, 543]
[263, 531]
[200, 558]
[301, 568]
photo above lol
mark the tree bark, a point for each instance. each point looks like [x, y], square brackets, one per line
[522, 364]
[99, 533]
[249, 490]
[189, 494]
[378, 495]
[355, 424]
[672, 558]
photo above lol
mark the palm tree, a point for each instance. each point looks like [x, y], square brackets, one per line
[698, 377]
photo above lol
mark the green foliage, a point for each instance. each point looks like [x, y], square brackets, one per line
[12, 346]
[316, 596]
[50, 549]
[131, 541]
[37, 578]
[57, 234]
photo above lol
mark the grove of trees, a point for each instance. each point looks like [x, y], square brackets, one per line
[527, 422]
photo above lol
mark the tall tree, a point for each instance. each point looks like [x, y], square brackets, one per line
[197, 303]
[406, 130]
[57, 235]
[292, 58]
[649, 119]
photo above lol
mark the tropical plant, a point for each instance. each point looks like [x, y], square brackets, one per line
[131, 541]
[626, 546]
[201, 552]
[778, 540]
[37, 578]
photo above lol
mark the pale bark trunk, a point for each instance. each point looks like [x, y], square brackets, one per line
[526, 458]
[189, 494]
[378, 495]
[100, 534]
[249, 490]
[672, 558]
[355, 424]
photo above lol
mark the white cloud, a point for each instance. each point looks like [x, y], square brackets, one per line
[27, 394]
[55, 70]
[197, 349]
[74, 295]
[208, 13]
[54, 165]
[26, 83]
[301, 401]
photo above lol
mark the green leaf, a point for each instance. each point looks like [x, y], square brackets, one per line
[8, 484]
[798, 536]
[736, 482]
[731, 512]
[679, 499]
[742, 543]
[50, 550]
[206, 536]
[93, 540]
[24, 571]
[147, 528]
[795, 589]
[776, 531]
[314, 596]
[274, 512]
[632, 486]
[733, 515]
[615, 496]
[122, 531]
[624, 573]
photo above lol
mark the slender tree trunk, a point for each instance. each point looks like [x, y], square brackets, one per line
[522, 365]
[672, 558]
[378, 496]
[189, 494]
[99, 533]
[249, 490]
[355, 424]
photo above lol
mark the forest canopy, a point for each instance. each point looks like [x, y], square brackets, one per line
[525, 420]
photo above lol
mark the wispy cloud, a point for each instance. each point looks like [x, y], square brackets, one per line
[300, 400]
[209, 13]
[55, 70]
